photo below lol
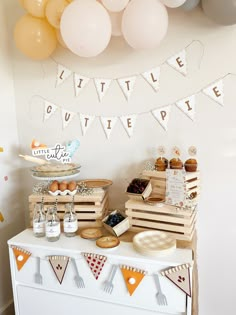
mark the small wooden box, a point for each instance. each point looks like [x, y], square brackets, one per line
[146, 193]
[119, 228]
[179, 223]
[89, 209]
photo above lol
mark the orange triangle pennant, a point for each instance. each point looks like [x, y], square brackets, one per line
[21, 256]
[180, 276]
[132, 277]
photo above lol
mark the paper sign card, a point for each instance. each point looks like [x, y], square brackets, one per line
[162, 115]
[102, 85]
[80, 82]
[179, 62]
[187, 106]
[86, 122]
[49, 110]
[216, 92]
[127, 86]
[175, 187]
[62, 74]
[153, 78]
[129, 123]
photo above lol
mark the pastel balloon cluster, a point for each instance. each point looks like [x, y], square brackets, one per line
[85, 27]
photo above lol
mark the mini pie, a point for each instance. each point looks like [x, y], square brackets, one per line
[107, 241]
[91, 233]
[55, 169]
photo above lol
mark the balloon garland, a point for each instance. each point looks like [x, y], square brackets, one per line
[85, 27]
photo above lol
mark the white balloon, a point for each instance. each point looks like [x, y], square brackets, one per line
[115, 5]
[173, 3]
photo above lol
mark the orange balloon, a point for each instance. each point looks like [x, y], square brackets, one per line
[54, 10]
[34, 37]
[36, 7]
[21, 3]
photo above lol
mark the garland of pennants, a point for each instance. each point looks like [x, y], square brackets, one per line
[179, 275]
[177, 61]
[187, 105]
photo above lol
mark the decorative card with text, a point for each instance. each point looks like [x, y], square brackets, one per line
[175, 187]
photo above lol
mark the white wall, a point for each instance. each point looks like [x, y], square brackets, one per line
[121, 158]
[10, 196]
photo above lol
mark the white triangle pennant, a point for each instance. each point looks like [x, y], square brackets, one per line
[180, 276]
[127, 85]
[162, 115]
[62, 74]
[79, 83]
[102, 85]
[67, 117]
[129, 123]
[216, 91]
[108, 124]
[179, 62]
[85, 121]
[49, 110]
[187, 105]
[153, 78]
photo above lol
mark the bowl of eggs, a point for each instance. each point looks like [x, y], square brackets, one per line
[62, 188]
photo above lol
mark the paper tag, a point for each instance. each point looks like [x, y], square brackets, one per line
[70, 227]
[192, 151]
[161, 150]
[53, 230]
[39, 227]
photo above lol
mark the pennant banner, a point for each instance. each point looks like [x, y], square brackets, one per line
[127, 86]
[85, 121]
[132, 277]
[162, 115]
[62, 74]
[179, 62]
[102, 85]
[187, 105]
[95, 263]
[21, 256]
[49, 110]
[108, 124]
[216, 92]
[59, 265]
[129, 123]
[67, 117]
[79, 83]
[180, 276]
[153, 78]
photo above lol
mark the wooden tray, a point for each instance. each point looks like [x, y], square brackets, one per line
[96, 183]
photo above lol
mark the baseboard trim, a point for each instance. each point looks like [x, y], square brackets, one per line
[7, 309]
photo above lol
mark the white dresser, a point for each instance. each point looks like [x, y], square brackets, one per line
[51, 297]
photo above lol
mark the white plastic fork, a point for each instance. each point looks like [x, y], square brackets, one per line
[78, 279]
[161, 298]
[108, 286]
[37, 276]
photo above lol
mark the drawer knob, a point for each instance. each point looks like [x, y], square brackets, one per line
[131, 280]
[20, 258]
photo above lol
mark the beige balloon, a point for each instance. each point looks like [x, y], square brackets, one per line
[36, 7]
[21, 3]
[60, 39]
[35, 37]
[54, 10]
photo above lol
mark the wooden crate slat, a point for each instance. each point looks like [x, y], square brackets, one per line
[155, 174]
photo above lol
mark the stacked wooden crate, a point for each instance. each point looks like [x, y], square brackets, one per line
[90, 209]
[177, 221]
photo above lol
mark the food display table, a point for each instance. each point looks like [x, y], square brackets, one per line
[53, 297]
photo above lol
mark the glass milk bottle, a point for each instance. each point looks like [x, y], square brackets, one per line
[53, 228]
[70, 221]
[39, 220]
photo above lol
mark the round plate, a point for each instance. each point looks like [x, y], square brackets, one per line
[96, 183]
[57, 177]
[153, 243]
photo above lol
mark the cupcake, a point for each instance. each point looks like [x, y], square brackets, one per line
[190, 165]
[176, 163]
[161, 164]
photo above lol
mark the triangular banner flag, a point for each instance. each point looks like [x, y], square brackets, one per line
[132, 277]
[127, 86]
[95, 262]
[162, 115]
[62, 74]
[153, 77]
[59, 265]
[179, 62]
[216, 92]
[180, 276]
[49, 110]
[80, 82]
[102, 85]
[85, 121]
[21, 256]
[108, 124]
[187, 105]
[129, 123]
[67, 117]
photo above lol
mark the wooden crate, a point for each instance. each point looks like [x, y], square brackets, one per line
[180, 223]
[158, 181]
[90, 209]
